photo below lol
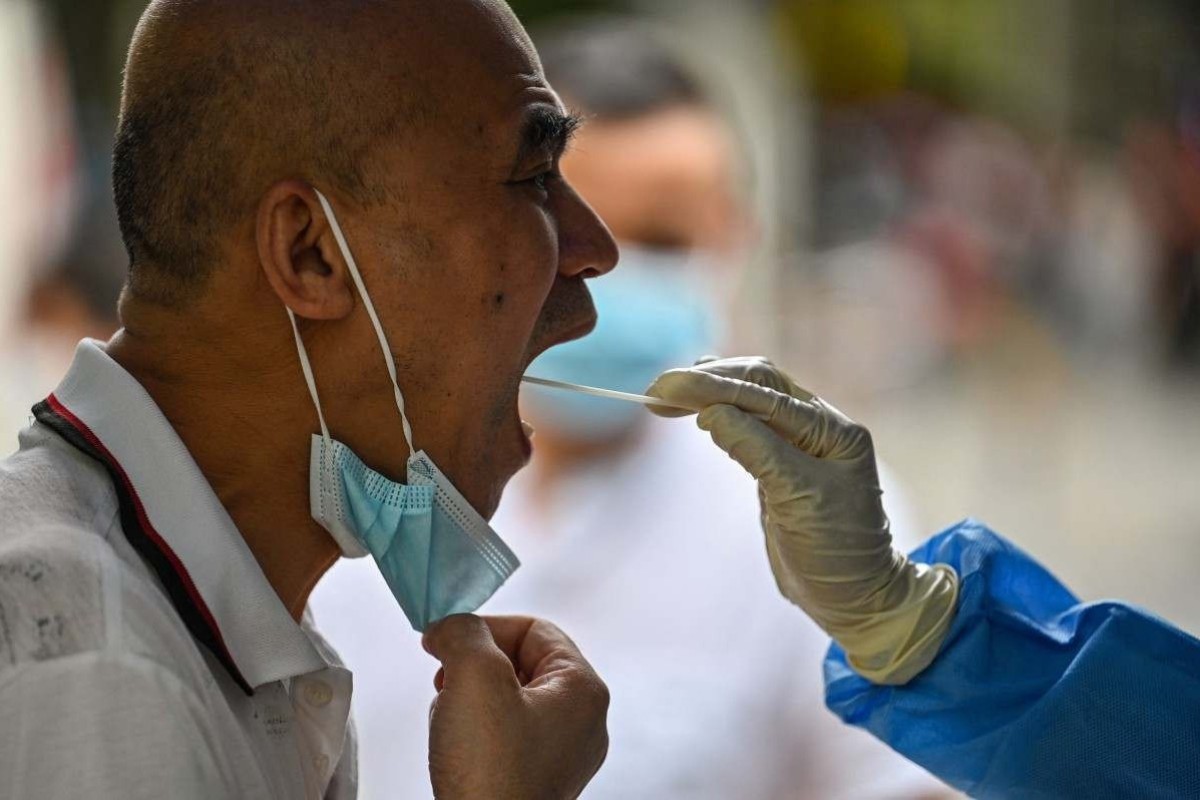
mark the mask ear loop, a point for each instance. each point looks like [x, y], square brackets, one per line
[306, 366]
[366, 298]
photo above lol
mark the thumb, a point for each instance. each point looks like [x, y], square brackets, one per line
[700, 387]
[807, 422]
[468, 652]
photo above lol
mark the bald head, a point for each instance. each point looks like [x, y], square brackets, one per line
[224, 97]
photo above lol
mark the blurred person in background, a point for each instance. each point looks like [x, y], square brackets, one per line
[1165, 162]
[634, 531]
[73, 298]
[61, 265]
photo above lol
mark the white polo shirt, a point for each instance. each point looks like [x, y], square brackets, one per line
[143, 654]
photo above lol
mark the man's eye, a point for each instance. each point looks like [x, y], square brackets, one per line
[541, 181]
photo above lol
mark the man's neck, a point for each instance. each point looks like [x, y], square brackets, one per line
[242, 435]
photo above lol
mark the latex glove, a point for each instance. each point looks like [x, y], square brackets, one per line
[826, 531]
[519, 712]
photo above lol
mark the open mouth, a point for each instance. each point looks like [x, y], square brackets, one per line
[577, 331]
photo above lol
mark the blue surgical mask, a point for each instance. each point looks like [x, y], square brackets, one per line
[437, 554]
[654, 315]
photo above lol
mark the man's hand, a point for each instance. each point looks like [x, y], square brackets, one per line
[519, 713]
[827, 534]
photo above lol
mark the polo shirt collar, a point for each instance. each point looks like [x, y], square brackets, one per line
[172, 516]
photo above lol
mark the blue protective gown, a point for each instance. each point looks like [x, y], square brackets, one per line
[1035, 694]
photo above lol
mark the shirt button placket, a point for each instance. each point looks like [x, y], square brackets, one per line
[318, 694]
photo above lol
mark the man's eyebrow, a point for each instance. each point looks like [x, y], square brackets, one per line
[546, 131]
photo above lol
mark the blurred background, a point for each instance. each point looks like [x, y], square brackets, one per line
[975, 226]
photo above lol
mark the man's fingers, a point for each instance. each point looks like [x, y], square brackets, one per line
[555, 670]
[468, 652]
[462, 632]
[535, 646]
[495, 650]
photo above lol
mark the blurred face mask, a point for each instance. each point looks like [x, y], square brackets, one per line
[654, 314]
[437, 554]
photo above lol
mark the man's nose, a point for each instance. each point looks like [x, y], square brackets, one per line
[586, 247]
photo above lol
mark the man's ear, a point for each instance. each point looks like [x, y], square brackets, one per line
[299, 255]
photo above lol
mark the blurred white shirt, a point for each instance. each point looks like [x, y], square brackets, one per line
[653, 562]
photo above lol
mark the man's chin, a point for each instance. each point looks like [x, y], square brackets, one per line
[510, 452]
[497, 493]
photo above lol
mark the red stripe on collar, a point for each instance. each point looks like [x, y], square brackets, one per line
[147, 529]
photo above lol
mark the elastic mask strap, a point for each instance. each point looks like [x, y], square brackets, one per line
[310, 380]
[366, 298]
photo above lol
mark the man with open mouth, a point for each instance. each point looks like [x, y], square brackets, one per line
[348, 237]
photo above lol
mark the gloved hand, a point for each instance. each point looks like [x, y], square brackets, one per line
[827, 534]
[519, 712]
